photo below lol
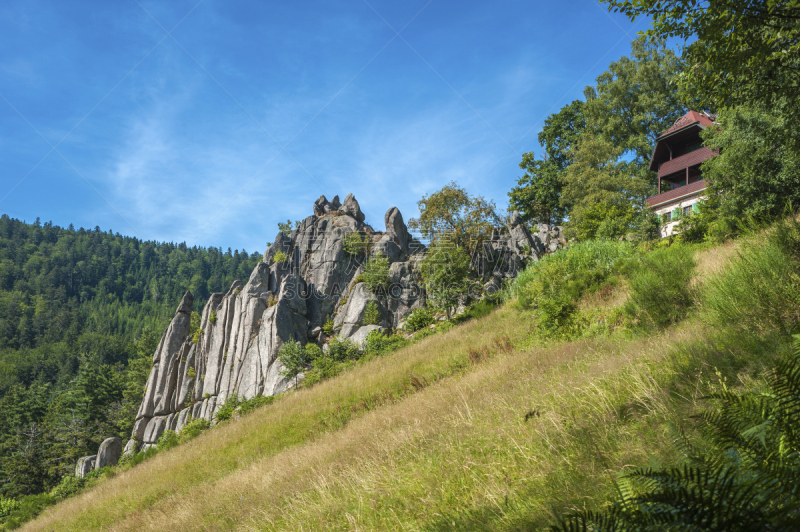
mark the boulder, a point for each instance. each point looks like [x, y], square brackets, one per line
[85, 464]
[132, 447]
[351, 207]
[321, 206]
[360, 335]
[109, 452]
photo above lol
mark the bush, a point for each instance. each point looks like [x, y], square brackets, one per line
[28, 508]
[226, 411]
[327, 328]
[256, 402]
[660, 290]
[372, 315]
[9, 505]
[279, 257]
[68, 486]
[419, 319]
[355, 245]
[376, 273]
[168, 440]
[760, 290]
[193, 429]
[341, 349]
[378, 343]
[213, 317]
[313, 352]
[294, 359]
[555, 284]
[323, 368]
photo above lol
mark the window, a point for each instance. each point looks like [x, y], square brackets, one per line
[666, 217]
[687, 210]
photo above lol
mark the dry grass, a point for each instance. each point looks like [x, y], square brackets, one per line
[469, 430]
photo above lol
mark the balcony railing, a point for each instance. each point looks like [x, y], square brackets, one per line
[687, 159]
[676, 193]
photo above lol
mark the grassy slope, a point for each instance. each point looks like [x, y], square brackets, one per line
[429, 438]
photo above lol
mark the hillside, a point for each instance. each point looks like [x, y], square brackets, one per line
[488, 425]
[81, 311]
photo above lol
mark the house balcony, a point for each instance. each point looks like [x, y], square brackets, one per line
[676, 193]
[684, 161]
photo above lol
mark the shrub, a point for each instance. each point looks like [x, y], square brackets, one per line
[355, 245]
[323, 368]
[196, 336]
[192, 429]
[9, 505]
[660, 290]
[28, 508]
[294, 359]
[378, 343]
[419, 319]
[376, 272]
[256, 402]
[279, 257]
[313, 352]
[555, 284]
[760, 290]
[168, 440]
[372, 315]
[340, 349]
[327, 328]
[191, 373]
[226, 411]
[213, 317]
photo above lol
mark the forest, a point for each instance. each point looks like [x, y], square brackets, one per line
[81, 312]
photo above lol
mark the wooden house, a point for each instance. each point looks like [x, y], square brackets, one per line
[677, 157]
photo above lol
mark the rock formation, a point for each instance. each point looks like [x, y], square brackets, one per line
[304, 279]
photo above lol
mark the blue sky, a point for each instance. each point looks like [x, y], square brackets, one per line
[210, 122]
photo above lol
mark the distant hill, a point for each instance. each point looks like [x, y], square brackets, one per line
[78, 308]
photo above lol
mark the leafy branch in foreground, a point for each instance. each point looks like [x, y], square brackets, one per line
[749, 480]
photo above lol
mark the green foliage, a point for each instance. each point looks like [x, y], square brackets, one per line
[445, 271]
[245, 407]
[286, 228]
[294, 359]
[168, 440]
[601, 192]
[313, 351]
[660, 286]
[29, 507]
[280, 257]
[355, 245]
[745, 480]
[555, 284]
[760, 291]
[537, 196]
[68, 486]
[560, 134]
[418, 319]
[466, 220]
[256, 402]
[212, 318]
[193, 429]
[327, 327]
[379, 343]
[757, 172]
[323, 367]
[740, 52]
[372, 314]
[341, 349]
[376, 273]
[7, 506]
[635, 101]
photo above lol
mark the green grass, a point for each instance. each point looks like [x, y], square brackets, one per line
[480, 426]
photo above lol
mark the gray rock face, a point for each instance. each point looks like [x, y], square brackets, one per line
[109, 452]
[85, 464]
[132, 447]
[243, 329]
[351, 207]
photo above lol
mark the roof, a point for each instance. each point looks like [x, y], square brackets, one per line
[692, 117]
[676, 193]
